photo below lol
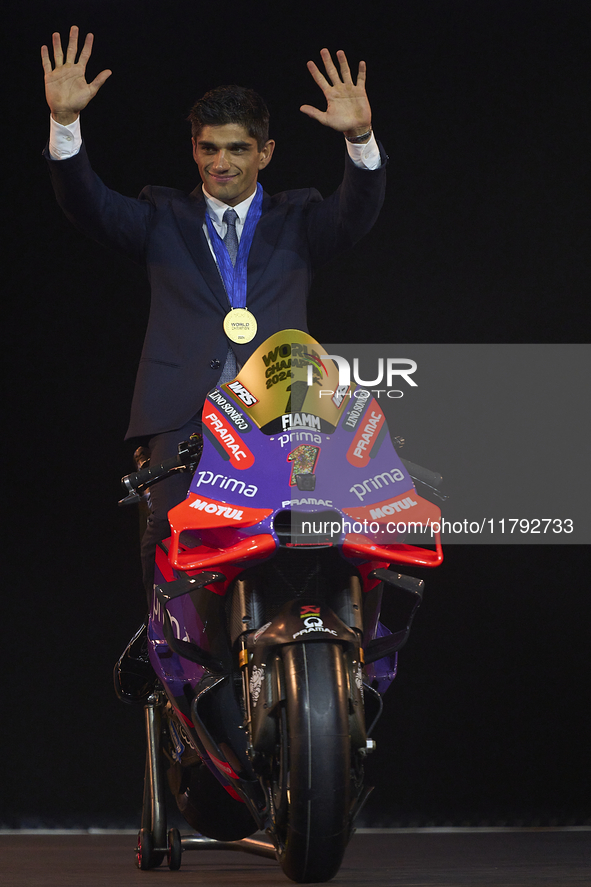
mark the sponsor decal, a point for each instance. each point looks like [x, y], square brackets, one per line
[326, 502]
[230, 410]
[216, 508]
[341, 392]
[405, 511]
[225, 483]
[395, 475]
[301, 420]
[396, 505]
[217, 425]
[313, 624]
[304, 460]
[260, 631]
[280, 425]
[195, 512]
[290, 436]
[256, 682]
[309, 611]
[242, 393]
[356, 409]
[369, 432]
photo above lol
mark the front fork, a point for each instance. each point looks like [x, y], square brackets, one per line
[244, 672]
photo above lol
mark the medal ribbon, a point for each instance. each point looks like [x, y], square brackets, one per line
[234, 277]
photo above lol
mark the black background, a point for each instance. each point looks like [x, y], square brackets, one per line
[483, 110]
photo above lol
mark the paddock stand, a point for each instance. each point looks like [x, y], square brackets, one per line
[154, 842]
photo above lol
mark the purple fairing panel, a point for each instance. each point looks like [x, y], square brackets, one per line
[269, 480]
[173, 670]
[383, 671]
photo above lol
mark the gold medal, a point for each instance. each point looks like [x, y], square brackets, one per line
[240, 325]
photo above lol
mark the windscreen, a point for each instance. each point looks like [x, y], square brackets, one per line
[287, 375]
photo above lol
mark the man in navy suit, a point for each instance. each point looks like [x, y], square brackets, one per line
[184, 240]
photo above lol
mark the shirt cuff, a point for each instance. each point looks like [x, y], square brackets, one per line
[365, 156]
[64, 141]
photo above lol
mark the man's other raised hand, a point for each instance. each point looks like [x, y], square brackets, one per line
[348, 109]
[66, 89]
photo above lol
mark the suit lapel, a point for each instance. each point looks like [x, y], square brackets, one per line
[190, 216]
[265, 239]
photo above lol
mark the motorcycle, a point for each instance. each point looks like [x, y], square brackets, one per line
[265, 631]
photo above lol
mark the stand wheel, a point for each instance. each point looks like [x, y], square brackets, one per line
[175, 850]
[146, 858]
[145, 849]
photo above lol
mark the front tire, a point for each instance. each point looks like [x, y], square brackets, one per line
[315, 781]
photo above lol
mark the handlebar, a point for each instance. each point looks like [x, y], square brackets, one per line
[428, 479]
[187, 459]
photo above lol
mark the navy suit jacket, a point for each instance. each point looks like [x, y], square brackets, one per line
[185, 345]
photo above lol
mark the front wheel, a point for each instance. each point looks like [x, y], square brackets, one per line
[312, 785]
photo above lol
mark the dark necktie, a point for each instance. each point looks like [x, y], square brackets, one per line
[231, 238]
[231, 243]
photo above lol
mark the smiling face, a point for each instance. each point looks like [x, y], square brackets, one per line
[229, 161]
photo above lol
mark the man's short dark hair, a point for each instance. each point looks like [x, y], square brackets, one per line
[232, 104]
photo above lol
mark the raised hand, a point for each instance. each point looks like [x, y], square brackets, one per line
[66, 89]
[348, 109]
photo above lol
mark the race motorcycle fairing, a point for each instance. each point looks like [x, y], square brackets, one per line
[265, 629]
